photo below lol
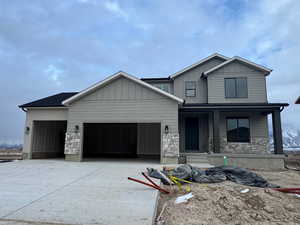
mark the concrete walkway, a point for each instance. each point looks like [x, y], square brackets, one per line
[75, 193]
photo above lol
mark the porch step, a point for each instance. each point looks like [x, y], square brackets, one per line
[196, 158]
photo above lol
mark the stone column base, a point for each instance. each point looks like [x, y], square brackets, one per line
[73, 158]
[26, 155]
[169, 160]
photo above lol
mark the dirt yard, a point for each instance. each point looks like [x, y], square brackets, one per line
[223, 203]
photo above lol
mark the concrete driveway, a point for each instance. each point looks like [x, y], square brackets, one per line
[75, 193]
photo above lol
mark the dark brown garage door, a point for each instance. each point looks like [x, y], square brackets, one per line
[110, 139]
[48, 139]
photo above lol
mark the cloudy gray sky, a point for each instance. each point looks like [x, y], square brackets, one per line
[50, 46]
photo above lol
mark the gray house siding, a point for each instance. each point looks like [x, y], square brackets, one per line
[256, 82]
[195, 75]
[124, 101]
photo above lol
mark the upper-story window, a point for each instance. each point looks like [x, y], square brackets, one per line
[163, 86]
[190, 88]
[236, 87]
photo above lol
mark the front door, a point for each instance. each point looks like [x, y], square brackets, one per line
[191, 134]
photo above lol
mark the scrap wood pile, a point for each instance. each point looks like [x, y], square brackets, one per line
[218, 196]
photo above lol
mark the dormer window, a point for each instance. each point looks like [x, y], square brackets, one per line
[236, 87]
[190, 88]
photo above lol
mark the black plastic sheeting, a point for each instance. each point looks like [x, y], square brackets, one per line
[214, 175]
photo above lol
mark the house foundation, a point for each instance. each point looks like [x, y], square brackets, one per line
[257, 145]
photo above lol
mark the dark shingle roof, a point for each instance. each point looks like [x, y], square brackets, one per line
[50, 101]
[156, 79]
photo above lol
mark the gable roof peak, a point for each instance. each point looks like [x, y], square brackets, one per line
[214, 55]
[114, 77]
[242, 60]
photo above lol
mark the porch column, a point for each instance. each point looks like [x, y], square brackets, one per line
[277, 132]
[216, 131]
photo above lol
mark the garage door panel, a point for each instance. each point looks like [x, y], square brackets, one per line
[149, 139]
[48, 139]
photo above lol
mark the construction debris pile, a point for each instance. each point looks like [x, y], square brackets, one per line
[218, 195]
[212, 175]
[229, 203]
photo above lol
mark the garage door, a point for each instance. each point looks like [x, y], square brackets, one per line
[110, 139]
[121, 140]
[48, 139]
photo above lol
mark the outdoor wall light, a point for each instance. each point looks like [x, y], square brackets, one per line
[27, 129]
[166, 129]
[76, 128]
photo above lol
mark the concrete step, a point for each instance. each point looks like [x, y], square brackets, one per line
[195, 158]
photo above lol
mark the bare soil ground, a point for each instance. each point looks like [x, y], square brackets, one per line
[223, 203]
[293, 161]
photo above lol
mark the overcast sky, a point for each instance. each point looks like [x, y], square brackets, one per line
[55, 46]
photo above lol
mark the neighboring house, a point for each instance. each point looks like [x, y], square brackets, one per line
[217, 105]
[298, 101]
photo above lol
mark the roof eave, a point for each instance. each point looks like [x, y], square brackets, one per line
[259, 67]
[172, 76]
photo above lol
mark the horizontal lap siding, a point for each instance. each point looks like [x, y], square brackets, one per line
[195, 75]
[255, 80]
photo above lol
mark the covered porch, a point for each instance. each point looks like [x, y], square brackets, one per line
[229, 128]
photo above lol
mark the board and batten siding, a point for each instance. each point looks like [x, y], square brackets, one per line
[35, 114]
[256, 83]
[124, 101]
[194, 74]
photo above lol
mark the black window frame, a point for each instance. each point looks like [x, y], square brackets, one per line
[238, 140]
[236, 95]
[190, 89]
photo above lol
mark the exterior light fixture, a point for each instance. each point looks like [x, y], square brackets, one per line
[166, 129]
[27, 129]
[76, 128]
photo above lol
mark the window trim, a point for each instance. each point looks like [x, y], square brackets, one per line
[237, 118]
[235, 78]
[190, 89]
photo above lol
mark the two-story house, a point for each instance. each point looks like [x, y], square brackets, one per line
[218, 105]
